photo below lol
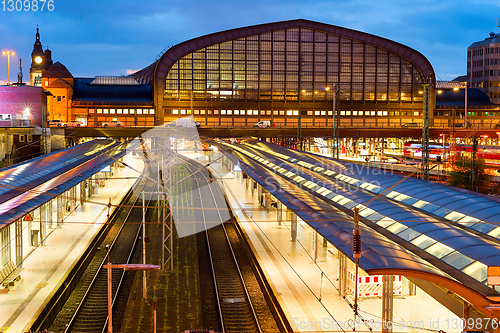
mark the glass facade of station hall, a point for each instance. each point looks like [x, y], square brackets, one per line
[270, 76]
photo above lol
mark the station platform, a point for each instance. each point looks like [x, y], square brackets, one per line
[308, 290]
[45, 267]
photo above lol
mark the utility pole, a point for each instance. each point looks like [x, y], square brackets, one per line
[356, 253]
[425, 134]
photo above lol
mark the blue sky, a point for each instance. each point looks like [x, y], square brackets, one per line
[96, 37]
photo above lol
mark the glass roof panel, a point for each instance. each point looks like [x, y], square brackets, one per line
[439, 250]
[397, 227]
[423, 241]
[476, 270]
[409, 234]
[457, 260]
[385, 222]
[401, 197]
[454, 216]
[420, 203]
[430, 208]
[495, 232]
[410, 201]
[344, 201]
[366, 211]
[483, 227]
[441, 212]
[392, 194]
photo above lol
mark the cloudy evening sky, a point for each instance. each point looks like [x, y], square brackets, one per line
[96, 37]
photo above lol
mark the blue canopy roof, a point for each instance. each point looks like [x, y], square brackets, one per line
[28, 185]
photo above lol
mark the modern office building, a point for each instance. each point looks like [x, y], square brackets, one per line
[483, 66]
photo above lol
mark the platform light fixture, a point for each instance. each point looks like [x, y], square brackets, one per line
[8, 54]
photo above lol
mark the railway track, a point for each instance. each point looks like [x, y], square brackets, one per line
[240, 308]
[86, 308]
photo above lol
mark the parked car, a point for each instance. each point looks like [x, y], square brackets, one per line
[74, 123]
[263, 124]
[56, 123]
[409, 125]
[112, 123]
[183, 122]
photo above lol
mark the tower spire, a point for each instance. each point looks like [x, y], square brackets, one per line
[37, 34]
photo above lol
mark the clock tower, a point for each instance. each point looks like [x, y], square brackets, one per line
[37, 62]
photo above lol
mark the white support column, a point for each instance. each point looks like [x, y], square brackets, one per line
[72, 199]
[412, 288]
[60, 211]
[342, 273]
[89, 186]
[43, 224]
[314, 244]
[387, 303]
[82, 193]
[19, 242]
[293, 219]
[279, 212]
[50, 218]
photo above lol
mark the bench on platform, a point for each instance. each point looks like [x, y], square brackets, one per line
[9, 274]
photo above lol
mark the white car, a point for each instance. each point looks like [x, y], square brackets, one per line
[263, 124]
[74, 123]
[112, 123]
[56, 123]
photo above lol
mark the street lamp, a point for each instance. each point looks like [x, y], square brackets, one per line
[125, 267]
[8, 53]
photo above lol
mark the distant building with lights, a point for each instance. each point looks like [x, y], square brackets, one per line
[483, 66]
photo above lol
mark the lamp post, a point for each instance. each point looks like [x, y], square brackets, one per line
[464, 85]
[125, 267]
[8, 53]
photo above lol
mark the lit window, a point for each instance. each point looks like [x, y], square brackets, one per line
[151, 111]
[119, 111]
[145, 111]
[125, 111]
[139, 111]
[255, 112]
[223, 112]
[175, 111]
[99, 110]
[106, 111]
[182, 111]
[288, 112]
[112, 111]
